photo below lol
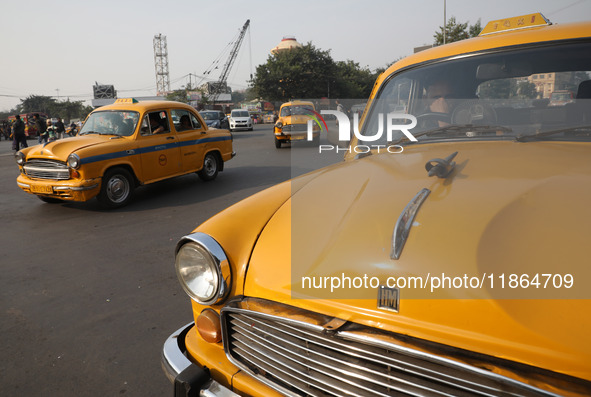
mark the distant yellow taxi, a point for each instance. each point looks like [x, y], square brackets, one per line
[292, 124]
[120, 147]
[447, 256]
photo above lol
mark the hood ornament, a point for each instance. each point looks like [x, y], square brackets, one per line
[441, 167]
[404, 223]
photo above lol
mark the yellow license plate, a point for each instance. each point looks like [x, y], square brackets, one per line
[41, 189]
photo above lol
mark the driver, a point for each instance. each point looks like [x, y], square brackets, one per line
[439, 96]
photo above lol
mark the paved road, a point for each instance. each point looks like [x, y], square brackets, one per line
[87, 296]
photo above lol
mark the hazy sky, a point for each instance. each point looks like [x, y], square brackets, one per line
[61, 48]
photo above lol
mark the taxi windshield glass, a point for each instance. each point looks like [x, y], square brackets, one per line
[111, 122]
[543, 91]
[297, 110]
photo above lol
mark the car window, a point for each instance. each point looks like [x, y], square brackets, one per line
[155, 123]
[502, 95]
[240, 113]
[118, 122]
[195, 121]
[184, 120]
[285, 111]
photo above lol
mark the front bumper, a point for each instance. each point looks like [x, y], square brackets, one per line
[70, 190]
[189, 379]
[295, 136]
[240, 127]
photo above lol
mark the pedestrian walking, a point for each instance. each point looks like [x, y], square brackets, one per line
[51, 131]
[60, 129]
[41, 128]
[19, 139]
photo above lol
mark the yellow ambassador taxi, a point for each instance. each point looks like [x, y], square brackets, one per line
[292, 124]
[447, 256]
[121, 146]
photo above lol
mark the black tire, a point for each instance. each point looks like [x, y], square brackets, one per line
[116, 188]
[277, 143]
[50, 200]
[211, 167]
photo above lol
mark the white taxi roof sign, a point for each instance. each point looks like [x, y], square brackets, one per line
[515, 23]
[126, 100]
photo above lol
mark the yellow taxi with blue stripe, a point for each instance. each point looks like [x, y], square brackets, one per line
[292, 124]
[446, 256]
[122, 146]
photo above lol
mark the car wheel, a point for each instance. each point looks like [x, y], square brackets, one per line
[116, 188]
[50, 200]
[210, 167]
[277, 143]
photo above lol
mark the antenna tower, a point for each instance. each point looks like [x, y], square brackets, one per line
[161, 65]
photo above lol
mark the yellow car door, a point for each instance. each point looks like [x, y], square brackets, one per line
[159, 147]
[191, 134]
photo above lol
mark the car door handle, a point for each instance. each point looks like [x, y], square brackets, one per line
[169, 137]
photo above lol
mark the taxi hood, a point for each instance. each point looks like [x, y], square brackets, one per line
[508, 208]
[62, 148]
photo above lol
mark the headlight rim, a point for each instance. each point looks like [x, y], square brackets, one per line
[71, 158]
[20, 158]
[221, 264]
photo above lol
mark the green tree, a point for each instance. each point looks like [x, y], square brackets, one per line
[66, 110]
[37, 103]
[303, 72]
[353, 81]
[455, 31]
[308, 72]
[181, 95]
[526, 89]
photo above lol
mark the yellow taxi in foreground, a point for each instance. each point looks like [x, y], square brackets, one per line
[121, 146]
[292, 124]
[447, 256]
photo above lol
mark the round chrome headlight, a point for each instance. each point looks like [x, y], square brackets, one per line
[20, 158]
[74, 161]
[279, 125]
[203, 268]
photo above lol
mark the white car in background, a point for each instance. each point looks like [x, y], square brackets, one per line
[240, 120]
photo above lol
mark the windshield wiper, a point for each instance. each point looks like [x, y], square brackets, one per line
[99, 133]
[525, 138]
[465, 129]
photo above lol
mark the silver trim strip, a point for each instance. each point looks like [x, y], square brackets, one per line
[174, 360]
[404, 223]
[76, 188]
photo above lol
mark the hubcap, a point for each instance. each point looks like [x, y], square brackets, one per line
[210, 166]
[117, 189]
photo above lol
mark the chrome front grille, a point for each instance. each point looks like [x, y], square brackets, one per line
[304, 359]
[46, 169]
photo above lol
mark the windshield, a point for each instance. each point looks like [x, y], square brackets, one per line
[209, 115]
[502, 95]
[240, 113]
[111, 122]
[297, 110]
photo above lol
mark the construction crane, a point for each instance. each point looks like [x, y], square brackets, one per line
[220, 86]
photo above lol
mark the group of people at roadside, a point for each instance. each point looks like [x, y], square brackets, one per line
[47, 131]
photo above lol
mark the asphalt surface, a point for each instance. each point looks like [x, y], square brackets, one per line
[88, 296]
